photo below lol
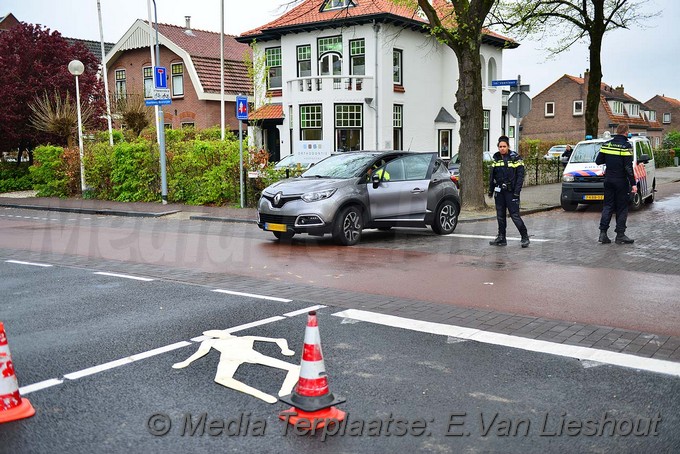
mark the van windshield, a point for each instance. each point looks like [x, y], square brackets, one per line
[585, 152]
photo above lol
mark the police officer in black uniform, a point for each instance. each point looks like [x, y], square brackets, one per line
[619, 182]
[505, 184]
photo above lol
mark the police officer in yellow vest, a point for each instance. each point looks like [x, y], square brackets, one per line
[505, 183]
[619, 182]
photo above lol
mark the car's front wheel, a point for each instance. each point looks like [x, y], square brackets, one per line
[445, 218]
[568, 206]
[347, 226]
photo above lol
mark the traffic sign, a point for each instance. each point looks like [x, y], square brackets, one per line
[160, 80]
[499, 83]
[157, 102]
[519, 105]
[520, 88]
[241, 108]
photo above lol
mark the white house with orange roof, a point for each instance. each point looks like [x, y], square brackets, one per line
[350, 74]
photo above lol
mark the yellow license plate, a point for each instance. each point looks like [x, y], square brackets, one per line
[275, 227]
[593, 197]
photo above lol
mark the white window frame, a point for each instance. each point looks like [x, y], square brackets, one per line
[177, 79]
[577, 112]
[304, 55]
[274, 62]
[147, 77]
[397, 127]
[350, 118]
[552, 105]
[633, 110]
[398, 68]
[120, 76]
[357, 51]
[666, 118]
[311, 119]
[617, 107]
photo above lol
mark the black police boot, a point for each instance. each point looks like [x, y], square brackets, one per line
[604, 239]
[621, 238]
[525, 241]
[499, 241]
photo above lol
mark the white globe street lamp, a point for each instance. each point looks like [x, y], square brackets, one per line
[76, 68]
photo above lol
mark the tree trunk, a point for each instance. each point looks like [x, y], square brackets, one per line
[469, 107]
[595, 78]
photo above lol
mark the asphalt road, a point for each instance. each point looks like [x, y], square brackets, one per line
[417, 391]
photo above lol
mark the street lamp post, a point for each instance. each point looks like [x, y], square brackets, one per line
[76, 68]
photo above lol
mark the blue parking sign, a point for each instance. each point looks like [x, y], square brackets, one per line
[241, 108]
[160, 79]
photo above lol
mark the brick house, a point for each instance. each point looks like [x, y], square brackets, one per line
[192, 59]
[346, 75]
[668, 112]
[558, 112]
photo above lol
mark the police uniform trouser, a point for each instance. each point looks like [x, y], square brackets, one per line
[615, 201]
[506, 200]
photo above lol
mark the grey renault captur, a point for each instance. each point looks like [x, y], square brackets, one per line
[354, 190]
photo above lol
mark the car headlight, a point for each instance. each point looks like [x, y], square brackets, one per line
[568, 178]
[317, 195]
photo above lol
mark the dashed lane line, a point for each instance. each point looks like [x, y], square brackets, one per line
[124, 276]
[148, 354]
[506, 340]
[19, 262]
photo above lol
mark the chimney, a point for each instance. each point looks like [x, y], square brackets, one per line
[619, 90]
[586, 76]
[188, 31]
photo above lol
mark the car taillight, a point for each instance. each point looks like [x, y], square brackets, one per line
[454, 178]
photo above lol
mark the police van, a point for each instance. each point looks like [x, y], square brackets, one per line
[583, 180]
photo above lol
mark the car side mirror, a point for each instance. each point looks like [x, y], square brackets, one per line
[375, 178]
[644, 158]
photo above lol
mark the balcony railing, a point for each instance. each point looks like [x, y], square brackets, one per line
[328, 83]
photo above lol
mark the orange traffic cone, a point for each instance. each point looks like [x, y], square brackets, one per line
[12, 406]
[311, 399]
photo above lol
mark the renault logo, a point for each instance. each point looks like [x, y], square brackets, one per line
[277, 198]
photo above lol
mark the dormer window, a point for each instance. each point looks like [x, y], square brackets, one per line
[330, 5]
[651, 115]
[633, 110]
[617, 107]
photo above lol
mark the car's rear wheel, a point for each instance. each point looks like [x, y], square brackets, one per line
[283, 236]
[445, 218]
[347, 226]
[569, 206]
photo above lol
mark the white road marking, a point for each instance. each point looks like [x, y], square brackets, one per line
[125, 276]
[244, 326]
[304, 311]
[19, 262]
[488, 237]
[40, 385]
[128, 360]
[252, 295]
[571, 351]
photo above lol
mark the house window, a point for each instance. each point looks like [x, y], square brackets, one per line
[549, 109]
[617, 107]
[348, 127]
[487, 123]
[121, 90]
[651, 115]
[445, 143]
[329, 44]
[147, 73]
[633, 110]
[188, 124]
[396, 67]
[666, 118]
[177, 70]
[657, 141]
[578, 108]
[511, 132]
[336, 4]
[273, 63]
[304, 60]
[311, 126]
[492, 71]
[357, 52]
[398, 127]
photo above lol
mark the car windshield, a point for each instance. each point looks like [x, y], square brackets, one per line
[286, 161]
[346, 165]
[585, 152]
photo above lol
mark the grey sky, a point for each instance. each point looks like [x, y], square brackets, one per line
[645, 60]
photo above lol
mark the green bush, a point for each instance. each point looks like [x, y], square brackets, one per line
[664, 158]
[15, 177]
[48, 173]
[671, 140]
[99, 165]
[135, 173]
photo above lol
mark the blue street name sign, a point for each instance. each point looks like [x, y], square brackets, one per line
[157, 102]
[241, 108]
[499, 83]
[160, 80]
